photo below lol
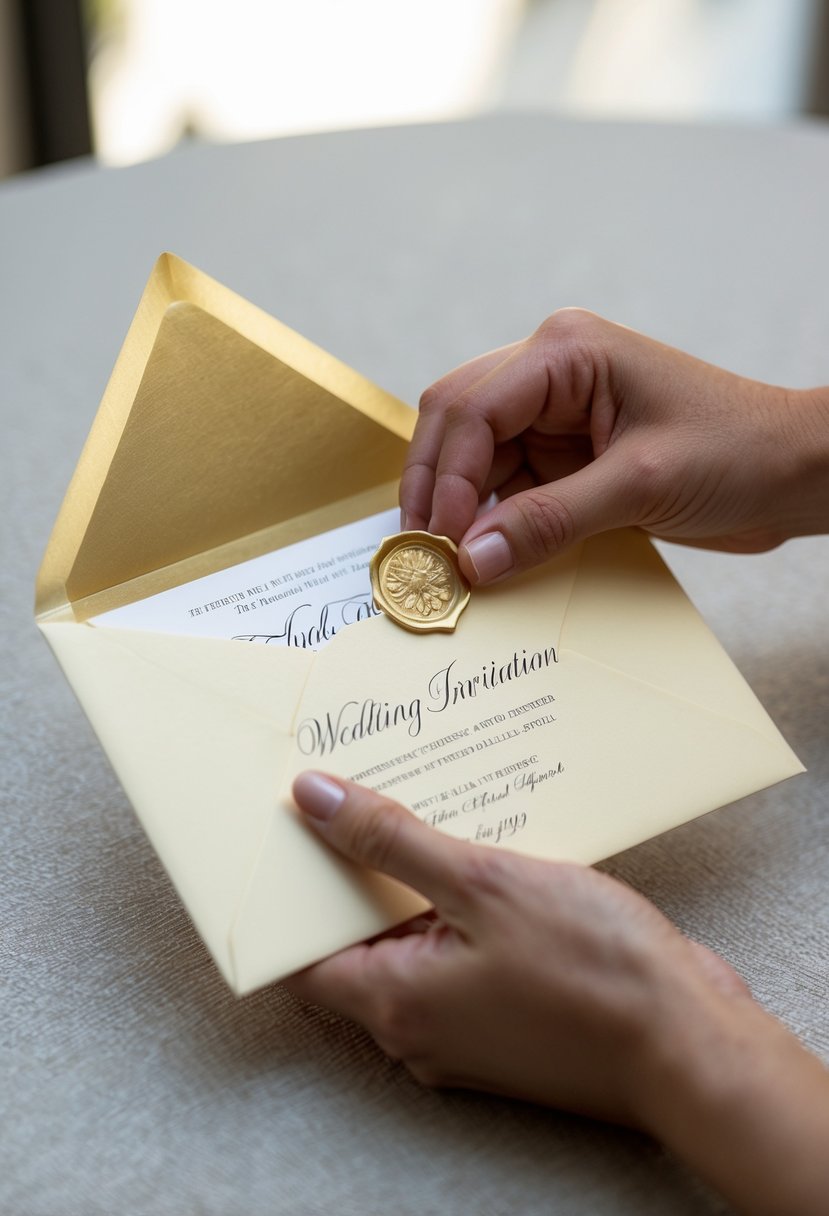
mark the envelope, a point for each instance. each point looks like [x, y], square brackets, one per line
[575, 711]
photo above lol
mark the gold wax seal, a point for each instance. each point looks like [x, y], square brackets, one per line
[416, 580]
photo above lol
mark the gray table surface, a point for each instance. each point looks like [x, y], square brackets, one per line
[132, 1081]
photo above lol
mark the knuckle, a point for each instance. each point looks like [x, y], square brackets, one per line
[546, 524]
[410, 474]
[430, 399]
[649, 474]
[567, 325]
[574, 345]
[414, 471]
[396, 1025]
[483, 872]
[460, 410]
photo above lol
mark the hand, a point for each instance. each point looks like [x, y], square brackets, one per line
[539, 980]
[587, 426]
[555, 983]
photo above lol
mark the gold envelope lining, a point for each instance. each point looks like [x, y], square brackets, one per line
[178, 295]
[277, 536]
[187, 477]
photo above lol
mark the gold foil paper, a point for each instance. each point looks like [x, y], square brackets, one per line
[218, 423]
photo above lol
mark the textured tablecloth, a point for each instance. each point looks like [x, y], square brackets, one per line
[132, 1081]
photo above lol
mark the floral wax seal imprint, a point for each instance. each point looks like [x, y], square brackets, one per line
[416, 580]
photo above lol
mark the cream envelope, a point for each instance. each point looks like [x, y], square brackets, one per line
[574, 712]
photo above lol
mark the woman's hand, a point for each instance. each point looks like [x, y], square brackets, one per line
[587, 426]
[555, 983]
[544, 981]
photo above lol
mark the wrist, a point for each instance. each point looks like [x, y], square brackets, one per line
[804, 503]
[738, 1098]
[698, 1064]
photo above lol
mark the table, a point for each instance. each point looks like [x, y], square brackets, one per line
[134, 1082]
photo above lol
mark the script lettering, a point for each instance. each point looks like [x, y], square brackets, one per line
[446, 688]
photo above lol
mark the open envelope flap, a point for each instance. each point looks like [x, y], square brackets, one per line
[198, 731]
[627, 612]
[218, 422]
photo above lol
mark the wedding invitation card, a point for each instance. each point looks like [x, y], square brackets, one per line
[302, 595]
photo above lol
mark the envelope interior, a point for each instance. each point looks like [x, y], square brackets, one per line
[219, 425]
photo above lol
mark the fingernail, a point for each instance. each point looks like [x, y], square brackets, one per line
[490, 556]
[402, 520]
[318, 796]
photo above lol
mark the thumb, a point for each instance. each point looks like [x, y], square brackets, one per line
[528, 528]
[381, 834]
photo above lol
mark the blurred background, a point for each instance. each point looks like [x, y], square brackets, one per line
[127, 80]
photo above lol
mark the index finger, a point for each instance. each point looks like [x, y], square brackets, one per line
[493, 410]
[417, 482]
